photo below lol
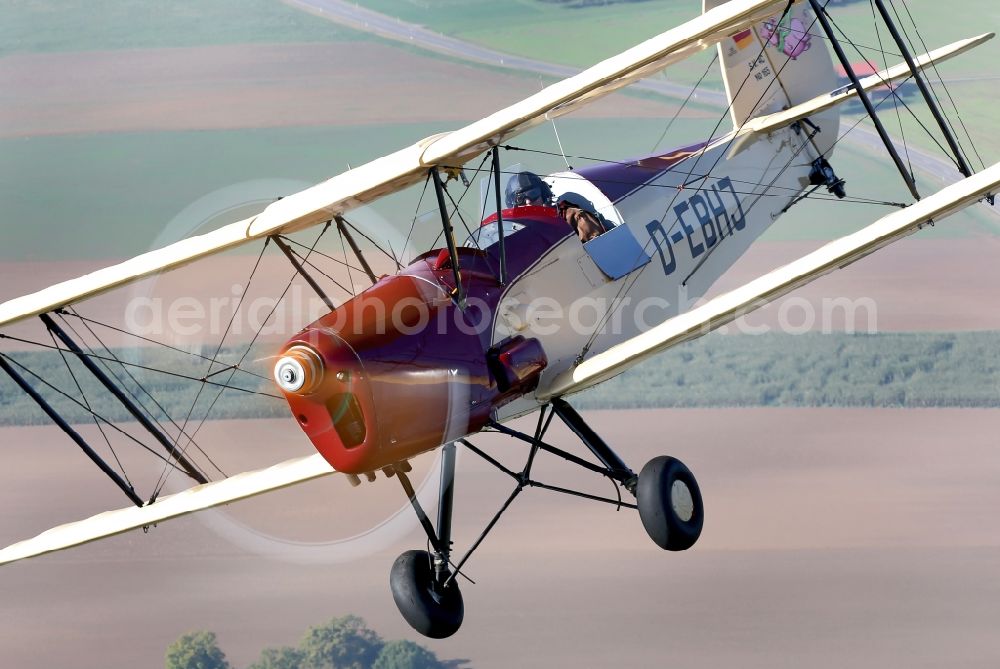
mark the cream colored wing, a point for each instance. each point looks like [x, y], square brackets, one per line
[206, 496]
[757, 293]
[408, 166]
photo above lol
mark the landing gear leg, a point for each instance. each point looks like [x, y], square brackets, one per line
[424, 591]
[617, 469]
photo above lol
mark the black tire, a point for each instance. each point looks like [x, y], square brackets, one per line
[433, 611]
[673, 517]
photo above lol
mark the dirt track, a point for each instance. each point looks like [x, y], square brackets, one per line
[255, 86]
[833, 538]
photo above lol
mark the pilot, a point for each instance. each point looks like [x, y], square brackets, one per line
[528, 189]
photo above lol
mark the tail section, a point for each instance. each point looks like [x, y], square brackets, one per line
[779, 63]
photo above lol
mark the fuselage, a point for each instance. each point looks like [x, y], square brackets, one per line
[404, 367]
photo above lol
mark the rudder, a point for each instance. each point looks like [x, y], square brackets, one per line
[776, 64]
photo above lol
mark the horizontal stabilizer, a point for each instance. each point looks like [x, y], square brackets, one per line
[410, 165]
[761, 125]
[206, 496]
[759, 292]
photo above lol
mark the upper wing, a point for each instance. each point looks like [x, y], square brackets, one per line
[757, 293]
[206, 496]
[408, 166]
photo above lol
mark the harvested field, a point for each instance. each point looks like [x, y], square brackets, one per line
[833, 538]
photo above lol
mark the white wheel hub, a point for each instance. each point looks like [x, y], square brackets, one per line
[681, 501]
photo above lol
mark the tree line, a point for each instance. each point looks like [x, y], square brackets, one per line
[342, 643]
[917, 369]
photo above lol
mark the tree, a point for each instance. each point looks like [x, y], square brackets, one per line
[285, 657]
[197, 650]
[406, 655]
[343, 643]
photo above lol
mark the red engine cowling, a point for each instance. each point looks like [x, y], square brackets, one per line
[386, 376]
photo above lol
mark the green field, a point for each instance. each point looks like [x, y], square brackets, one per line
[30, 26]
[919, 369]
[170, 392]
[815, 370]
[106, 196]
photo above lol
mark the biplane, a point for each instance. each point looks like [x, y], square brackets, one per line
[466, 337]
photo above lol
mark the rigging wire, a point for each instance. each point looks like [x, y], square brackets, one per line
[187, 419]
[310, 264]
[896, 96]
[416, 214]
[856, 45]
[391, 255]
[141, 387]
[325, 255]
[122, 386]
[249, 347]
[895, 101]
[468, 231]
[83, 396]
[343, 247]
[750, 207]
[134, 365]
[848, 199]
[634, 277]
[679, 109]
[461, 198]
[84, 319]
[75, 401]
[486, 198]
[940, 80]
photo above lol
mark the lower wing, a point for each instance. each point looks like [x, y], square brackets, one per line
[198, 498]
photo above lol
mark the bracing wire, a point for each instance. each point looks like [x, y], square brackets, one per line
[893, 90]
[139, 402]
[133, 365]
[634, 277]
[84, 319]
[895, 100]
[249, 347]
[187, 419]
[684, 104]
[168, 462]
[940, 80]
[83, 396]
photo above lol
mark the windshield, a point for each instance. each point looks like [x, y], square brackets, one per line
[489, 234]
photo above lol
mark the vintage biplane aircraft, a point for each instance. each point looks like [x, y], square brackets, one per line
[456, 343]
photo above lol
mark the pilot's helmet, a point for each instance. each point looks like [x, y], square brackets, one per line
[527, 187]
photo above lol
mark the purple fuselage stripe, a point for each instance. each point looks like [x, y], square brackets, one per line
[616, 180]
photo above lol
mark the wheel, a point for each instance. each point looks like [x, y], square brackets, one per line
[670, 504]
[433, 611]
